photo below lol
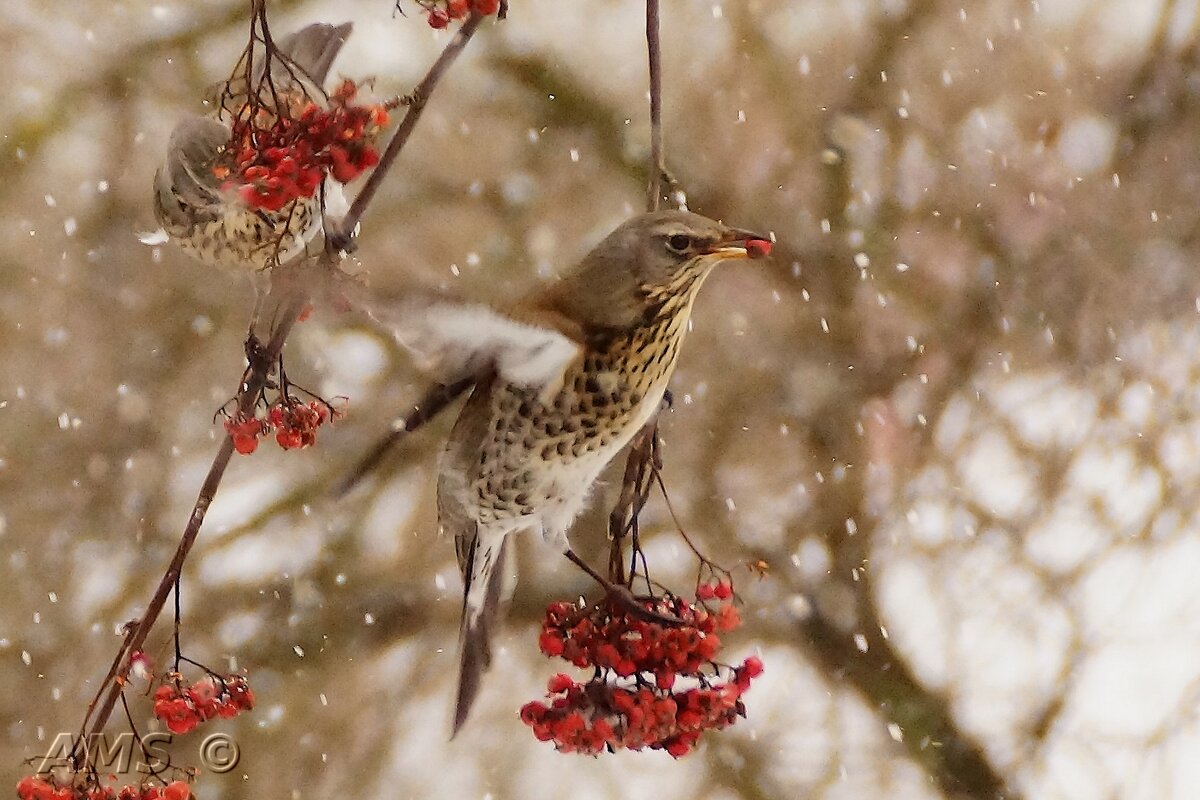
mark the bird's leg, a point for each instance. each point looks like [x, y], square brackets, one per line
[253, 343]
[621, 593]
[256, 359]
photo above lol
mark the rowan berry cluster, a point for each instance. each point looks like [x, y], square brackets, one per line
[293, 422]
[275, 158]
[634, 699]
[34, 787]
[183, 709]
[442, 11]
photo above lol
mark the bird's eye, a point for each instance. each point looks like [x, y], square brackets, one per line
[679, 242]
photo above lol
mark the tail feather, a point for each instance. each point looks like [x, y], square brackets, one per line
[314, 48]
[483, 573]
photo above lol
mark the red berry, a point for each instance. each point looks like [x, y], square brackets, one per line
[550, 643]
[559, 683]
[245, 445]
[204, 696]
[226, 710]
[176, 790]
[728, 618]
[678, 748]
[289, 439]
[33, 788]
[438, 18]
[758, 248]
[178, 715]
[625, 667]
[752, 666]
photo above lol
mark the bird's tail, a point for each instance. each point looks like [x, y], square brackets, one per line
[314, 48]
[483, 572]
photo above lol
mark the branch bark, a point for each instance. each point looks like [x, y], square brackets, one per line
[658, 166]
[622, 520]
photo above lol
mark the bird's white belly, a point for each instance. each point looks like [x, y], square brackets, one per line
[569, 486]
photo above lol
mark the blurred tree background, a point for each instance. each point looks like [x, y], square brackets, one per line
[956, 413]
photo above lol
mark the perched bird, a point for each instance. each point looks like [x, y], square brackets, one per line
[561, 386]
[212, 224]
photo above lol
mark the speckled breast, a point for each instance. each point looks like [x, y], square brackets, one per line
[540, 459]
[240, 239]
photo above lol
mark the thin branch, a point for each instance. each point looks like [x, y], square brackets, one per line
[622, 521]
[253, 384]
[658, 165]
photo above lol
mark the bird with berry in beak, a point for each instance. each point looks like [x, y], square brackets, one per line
[558, 388]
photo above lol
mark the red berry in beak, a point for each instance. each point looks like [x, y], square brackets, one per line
[758, 248]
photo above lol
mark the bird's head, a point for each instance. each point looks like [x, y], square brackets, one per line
[651, 263]
[669, 252]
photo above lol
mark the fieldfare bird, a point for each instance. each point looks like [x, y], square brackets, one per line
[560, 386]
[209, 221]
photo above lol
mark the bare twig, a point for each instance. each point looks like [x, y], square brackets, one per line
[635, 486]
[622, 594]
[110, 690]
[658, 166]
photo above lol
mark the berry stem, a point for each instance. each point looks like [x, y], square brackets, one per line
[621, 593]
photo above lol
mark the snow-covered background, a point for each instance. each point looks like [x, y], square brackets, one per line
[958, 414]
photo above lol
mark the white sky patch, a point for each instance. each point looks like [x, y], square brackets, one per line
[1086, 144]
[1093, 599]
[239, 628]
[390, 522]
[1046, 410]
[1146, 684]
[1067, 534]
[997, 478]
[909, 583]
[267, 554]
[1179, 451]
[351, 362]
[1127, 491]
